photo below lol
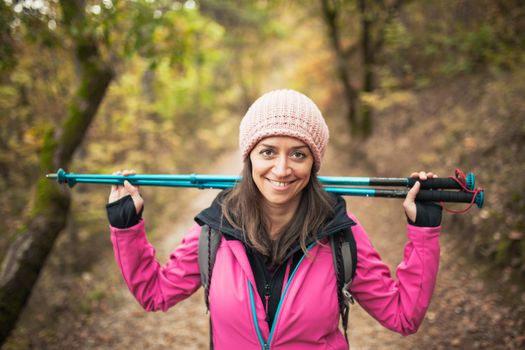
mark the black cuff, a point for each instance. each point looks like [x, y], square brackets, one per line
[428, 215]
[122, 213]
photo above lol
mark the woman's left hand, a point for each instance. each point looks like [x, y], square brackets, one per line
[410, 201]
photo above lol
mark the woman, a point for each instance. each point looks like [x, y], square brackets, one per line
[273, 283]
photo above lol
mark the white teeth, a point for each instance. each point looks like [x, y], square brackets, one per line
[277, 183]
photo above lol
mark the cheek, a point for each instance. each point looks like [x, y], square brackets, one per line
[306, 171]
[306, 181]
[257, 172]
[259, 167]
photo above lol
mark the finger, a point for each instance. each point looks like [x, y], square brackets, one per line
[135, 196]
[115, 187]
[132, 190]
[411, 195]
[122, 191]
[416, 175]
[130, 172]
[115, 193]
[422, 175]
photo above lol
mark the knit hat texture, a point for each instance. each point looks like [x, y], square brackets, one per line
[284, 113]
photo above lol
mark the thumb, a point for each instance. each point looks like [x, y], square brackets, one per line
[135, 195]
[411, 195]
[132, 190]
[410, 202]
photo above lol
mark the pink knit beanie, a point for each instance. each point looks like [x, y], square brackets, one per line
[284, 113]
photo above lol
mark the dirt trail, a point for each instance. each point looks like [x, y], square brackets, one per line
[464, 313]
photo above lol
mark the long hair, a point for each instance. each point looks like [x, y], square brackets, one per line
[243, 208]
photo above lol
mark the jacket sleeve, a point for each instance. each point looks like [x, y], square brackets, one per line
[398, 305]
[154, 286]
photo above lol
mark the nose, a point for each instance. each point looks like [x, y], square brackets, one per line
[281, 168]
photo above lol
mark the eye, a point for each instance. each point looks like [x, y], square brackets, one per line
[267, 152]
[298, 155]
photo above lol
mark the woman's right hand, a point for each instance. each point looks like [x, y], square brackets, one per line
[120, 191]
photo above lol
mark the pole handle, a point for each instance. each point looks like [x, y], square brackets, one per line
[436, 183]
[453, 197]
[436, 196]
[446, 183]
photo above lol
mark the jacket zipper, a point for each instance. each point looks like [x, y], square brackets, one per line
[267, 299]
[265, 345]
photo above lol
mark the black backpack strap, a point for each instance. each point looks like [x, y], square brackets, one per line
[344, 254]
[349, 251]
[209, 240]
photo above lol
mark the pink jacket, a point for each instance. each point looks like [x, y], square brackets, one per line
[307, 316]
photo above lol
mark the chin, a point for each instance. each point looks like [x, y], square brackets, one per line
[280, 200]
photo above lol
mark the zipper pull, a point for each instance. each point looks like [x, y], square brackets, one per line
[266, 297]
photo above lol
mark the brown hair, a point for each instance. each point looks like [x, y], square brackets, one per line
[242, 207]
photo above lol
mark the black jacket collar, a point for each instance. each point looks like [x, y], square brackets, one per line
[212, 217]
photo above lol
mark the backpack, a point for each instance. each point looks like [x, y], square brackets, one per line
[344, 254]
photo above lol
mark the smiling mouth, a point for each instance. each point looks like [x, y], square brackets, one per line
[280, 183]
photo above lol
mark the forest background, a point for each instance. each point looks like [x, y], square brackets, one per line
[160, 86]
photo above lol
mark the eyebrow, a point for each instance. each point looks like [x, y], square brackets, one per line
[272, 146]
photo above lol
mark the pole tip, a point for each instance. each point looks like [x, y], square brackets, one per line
[51, 176]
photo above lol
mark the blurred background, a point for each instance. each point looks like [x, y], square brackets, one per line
[161, 86]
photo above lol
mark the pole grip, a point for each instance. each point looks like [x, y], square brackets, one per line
[442, 183]
[435, 196]
[452, 197]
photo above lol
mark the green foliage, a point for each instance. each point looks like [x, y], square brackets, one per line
[446, 39]
[470, 50]
[32, 98]
[7, 60]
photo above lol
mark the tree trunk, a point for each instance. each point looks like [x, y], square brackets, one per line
[330, 14]
[27, 254]
[368, 58]
[359, 115]
[371, 45]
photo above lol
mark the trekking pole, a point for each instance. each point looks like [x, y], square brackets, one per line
[204, 181]
[433, 189]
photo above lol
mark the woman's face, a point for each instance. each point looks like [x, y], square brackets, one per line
[281, 168]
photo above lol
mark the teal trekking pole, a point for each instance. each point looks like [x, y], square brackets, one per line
[459, 189]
